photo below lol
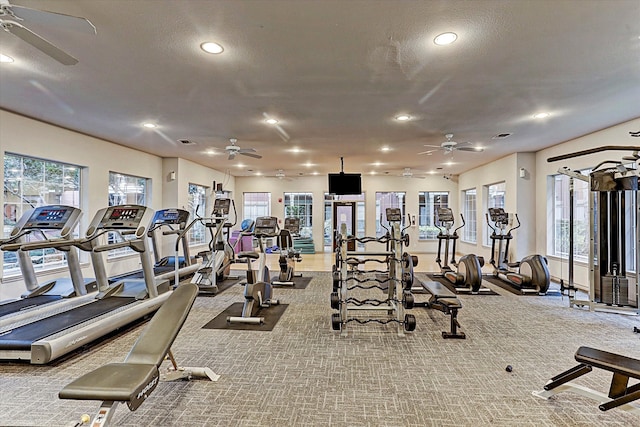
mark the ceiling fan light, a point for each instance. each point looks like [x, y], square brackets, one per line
[5, 59]
[212, 47]
[445, 38]
[150, 125]
[271, 121]
[403, 118]
[542, 115]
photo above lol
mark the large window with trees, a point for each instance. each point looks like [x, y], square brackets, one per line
[495, 199]
[31, 182]
[198, 206]
[299, 205]
[469, 200]
[256, 205]
[125, 190]
[560, 229]
[428, 204]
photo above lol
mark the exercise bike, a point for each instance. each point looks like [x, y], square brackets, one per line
[531, 275]
[258, 291]
[468, 274]
[288, 255]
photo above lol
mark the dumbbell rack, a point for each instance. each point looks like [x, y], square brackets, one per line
[398, 281]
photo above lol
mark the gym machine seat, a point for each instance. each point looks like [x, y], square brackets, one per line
[133, 380]
[620, 395]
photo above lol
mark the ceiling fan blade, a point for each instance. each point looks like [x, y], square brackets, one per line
[246, 150]
[232, 155]
[60, 20]
[433, 146]
[478, 150]
[39, 43]
[427, 152]
[255, 156]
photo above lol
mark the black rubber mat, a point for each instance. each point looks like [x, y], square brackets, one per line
[271, 317]
[504, 285]
[299, 282]
[222, 286]
[483, 290]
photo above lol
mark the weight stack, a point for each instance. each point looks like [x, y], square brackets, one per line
[615, 290]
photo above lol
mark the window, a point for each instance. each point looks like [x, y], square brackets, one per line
[495, 199]
[469, 212]
[384, 200]
[125, 190]
[256, 205]
[29, 183]
[299, 205]
[428, 204]
[630, 215]
[198, 207]
[560, 229]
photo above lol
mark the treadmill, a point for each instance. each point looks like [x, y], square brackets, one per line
[169, 222]
[45, 227]
[114, 306]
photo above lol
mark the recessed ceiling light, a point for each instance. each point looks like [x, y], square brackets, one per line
[295, 150]
[445, 38]
[385, 149]
[271, 121]
[403, 117]
[150, 125]
[211, 47]
[5, 59]
[377, 164]
[240, 165]
[309, 164]
[541, 115]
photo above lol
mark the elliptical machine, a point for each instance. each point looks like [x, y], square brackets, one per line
[288, 255]
[532, 275]
[257, 293]
[218, 259]
[468, 274]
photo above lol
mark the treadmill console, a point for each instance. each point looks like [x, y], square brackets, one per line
[50, 217]
[122, 217]
[292, 224]
[170, 216]
[445, 215]
[499, 216]
[221, 207]
[394, 214]
[266, 226]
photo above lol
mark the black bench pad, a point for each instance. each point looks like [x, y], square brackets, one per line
[609, 361]
[249, 254]
[120, 382]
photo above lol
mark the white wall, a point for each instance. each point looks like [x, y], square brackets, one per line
[24, 136]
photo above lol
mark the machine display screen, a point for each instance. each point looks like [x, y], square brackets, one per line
[221, 207]
[122, 214]
[49, 215]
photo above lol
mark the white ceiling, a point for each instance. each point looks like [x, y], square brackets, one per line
[334, 73]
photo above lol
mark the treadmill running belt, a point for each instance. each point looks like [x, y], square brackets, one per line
[25, 303]
[21, 338]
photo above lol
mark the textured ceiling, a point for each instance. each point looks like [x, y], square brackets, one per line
[335, 74]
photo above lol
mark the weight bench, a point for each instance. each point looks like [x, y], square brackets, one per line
[442, 299]
[133, 380]
[620, 393]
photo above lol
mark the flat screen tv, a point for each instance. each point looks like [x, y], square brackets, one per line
[345, 183]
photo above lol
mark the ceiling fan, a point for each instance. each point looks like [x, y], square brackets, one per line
[11, 14]
[407, 173]
[449, 146]
[233, 149]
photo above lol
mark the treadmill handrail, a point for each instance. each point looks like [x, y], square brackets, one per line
[59, 244]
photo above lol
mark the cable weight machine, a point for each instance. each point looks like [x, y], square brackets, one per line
[614, 193]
